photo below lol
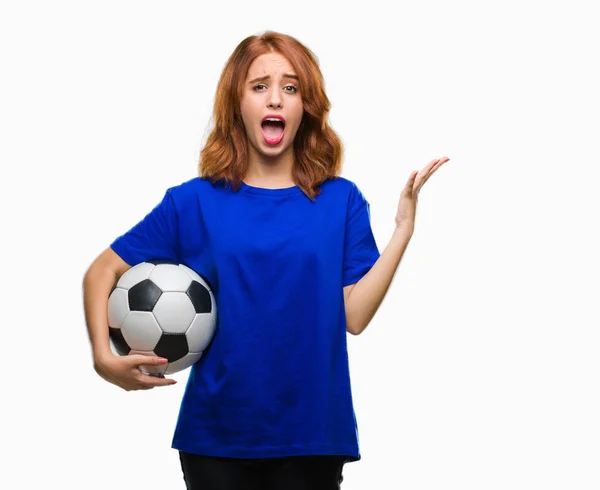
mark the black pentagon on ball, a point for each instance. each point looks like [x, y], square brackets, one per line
[116, 335]
[143, 296]
[200, 297]
[172, 346]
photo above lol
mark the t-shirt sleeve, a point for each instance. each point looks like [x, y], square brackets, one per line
[360, 248]
[154, 237]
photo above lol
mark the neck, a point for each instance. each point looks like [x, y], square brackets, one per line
[270, 171]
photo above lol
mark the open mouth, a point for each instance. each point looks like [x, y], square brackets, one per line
[273, 131]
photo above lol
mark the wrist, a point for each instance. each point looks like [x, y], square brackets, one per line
[101, 355]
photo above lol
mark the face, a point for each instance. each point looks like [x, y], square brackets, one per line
[276, 94]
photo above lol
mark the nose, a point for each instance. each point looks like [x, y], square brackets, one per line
[274, 98]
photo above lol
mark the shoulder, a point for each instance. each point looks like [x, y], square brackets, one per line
[348, 191]
[189, 189]
[341, 185]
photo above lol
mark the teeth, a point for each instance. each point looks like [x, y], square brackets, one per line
[273, 119]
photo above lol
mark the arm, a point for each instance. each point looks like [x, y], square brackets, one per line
[97, 284]
[122, 371]
[363, 298]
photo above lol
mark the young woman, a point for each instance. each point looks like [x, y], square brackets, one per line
[287, 245]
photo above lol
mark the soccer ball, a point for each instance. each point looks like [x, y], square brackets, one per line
[165, 309]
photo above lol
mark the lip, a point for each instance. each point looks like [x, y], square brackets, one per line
[277, 116]
[276, 141]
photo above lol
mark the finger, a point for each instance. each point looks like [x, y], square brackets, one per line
[429, 169]
[152, 381]
[439, 163]
[434, 164]
[137, 359]
[430, 172]
[408, 188]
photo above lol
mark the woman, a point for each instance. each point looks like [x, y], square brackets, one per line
[287, 246]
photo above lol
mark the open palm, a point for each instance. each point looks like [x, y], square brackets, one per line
[407, 207]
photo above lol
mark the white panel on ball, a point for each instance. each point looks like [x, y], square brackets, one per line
[169, 277]
[140, 330]
[174, 312]
[118, 308]
[201, 331]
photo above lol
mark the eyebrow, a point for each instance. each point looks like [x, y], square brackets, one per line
[266, 77]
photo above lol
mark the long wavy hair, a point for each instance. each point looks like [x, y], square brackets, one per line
[318, 150]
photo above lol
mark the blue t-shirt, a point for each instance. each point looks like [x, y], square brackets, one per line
[275, 380]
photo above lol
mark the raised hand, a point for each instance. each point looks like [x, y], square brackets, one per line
[407, 207]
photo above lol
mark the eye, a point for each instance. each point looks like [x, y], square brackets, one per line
[289, 86]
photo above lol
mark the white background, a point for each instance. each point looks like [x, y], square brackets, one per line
[480, 370]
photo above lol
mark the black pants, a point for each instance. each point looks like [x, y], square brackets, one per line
[288, 473]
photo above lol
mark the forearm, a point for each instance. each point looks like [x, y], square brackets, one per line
[97, 284]
[368, 293]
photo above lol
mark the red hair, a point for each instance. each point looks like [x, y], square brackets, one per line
[317, 149]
